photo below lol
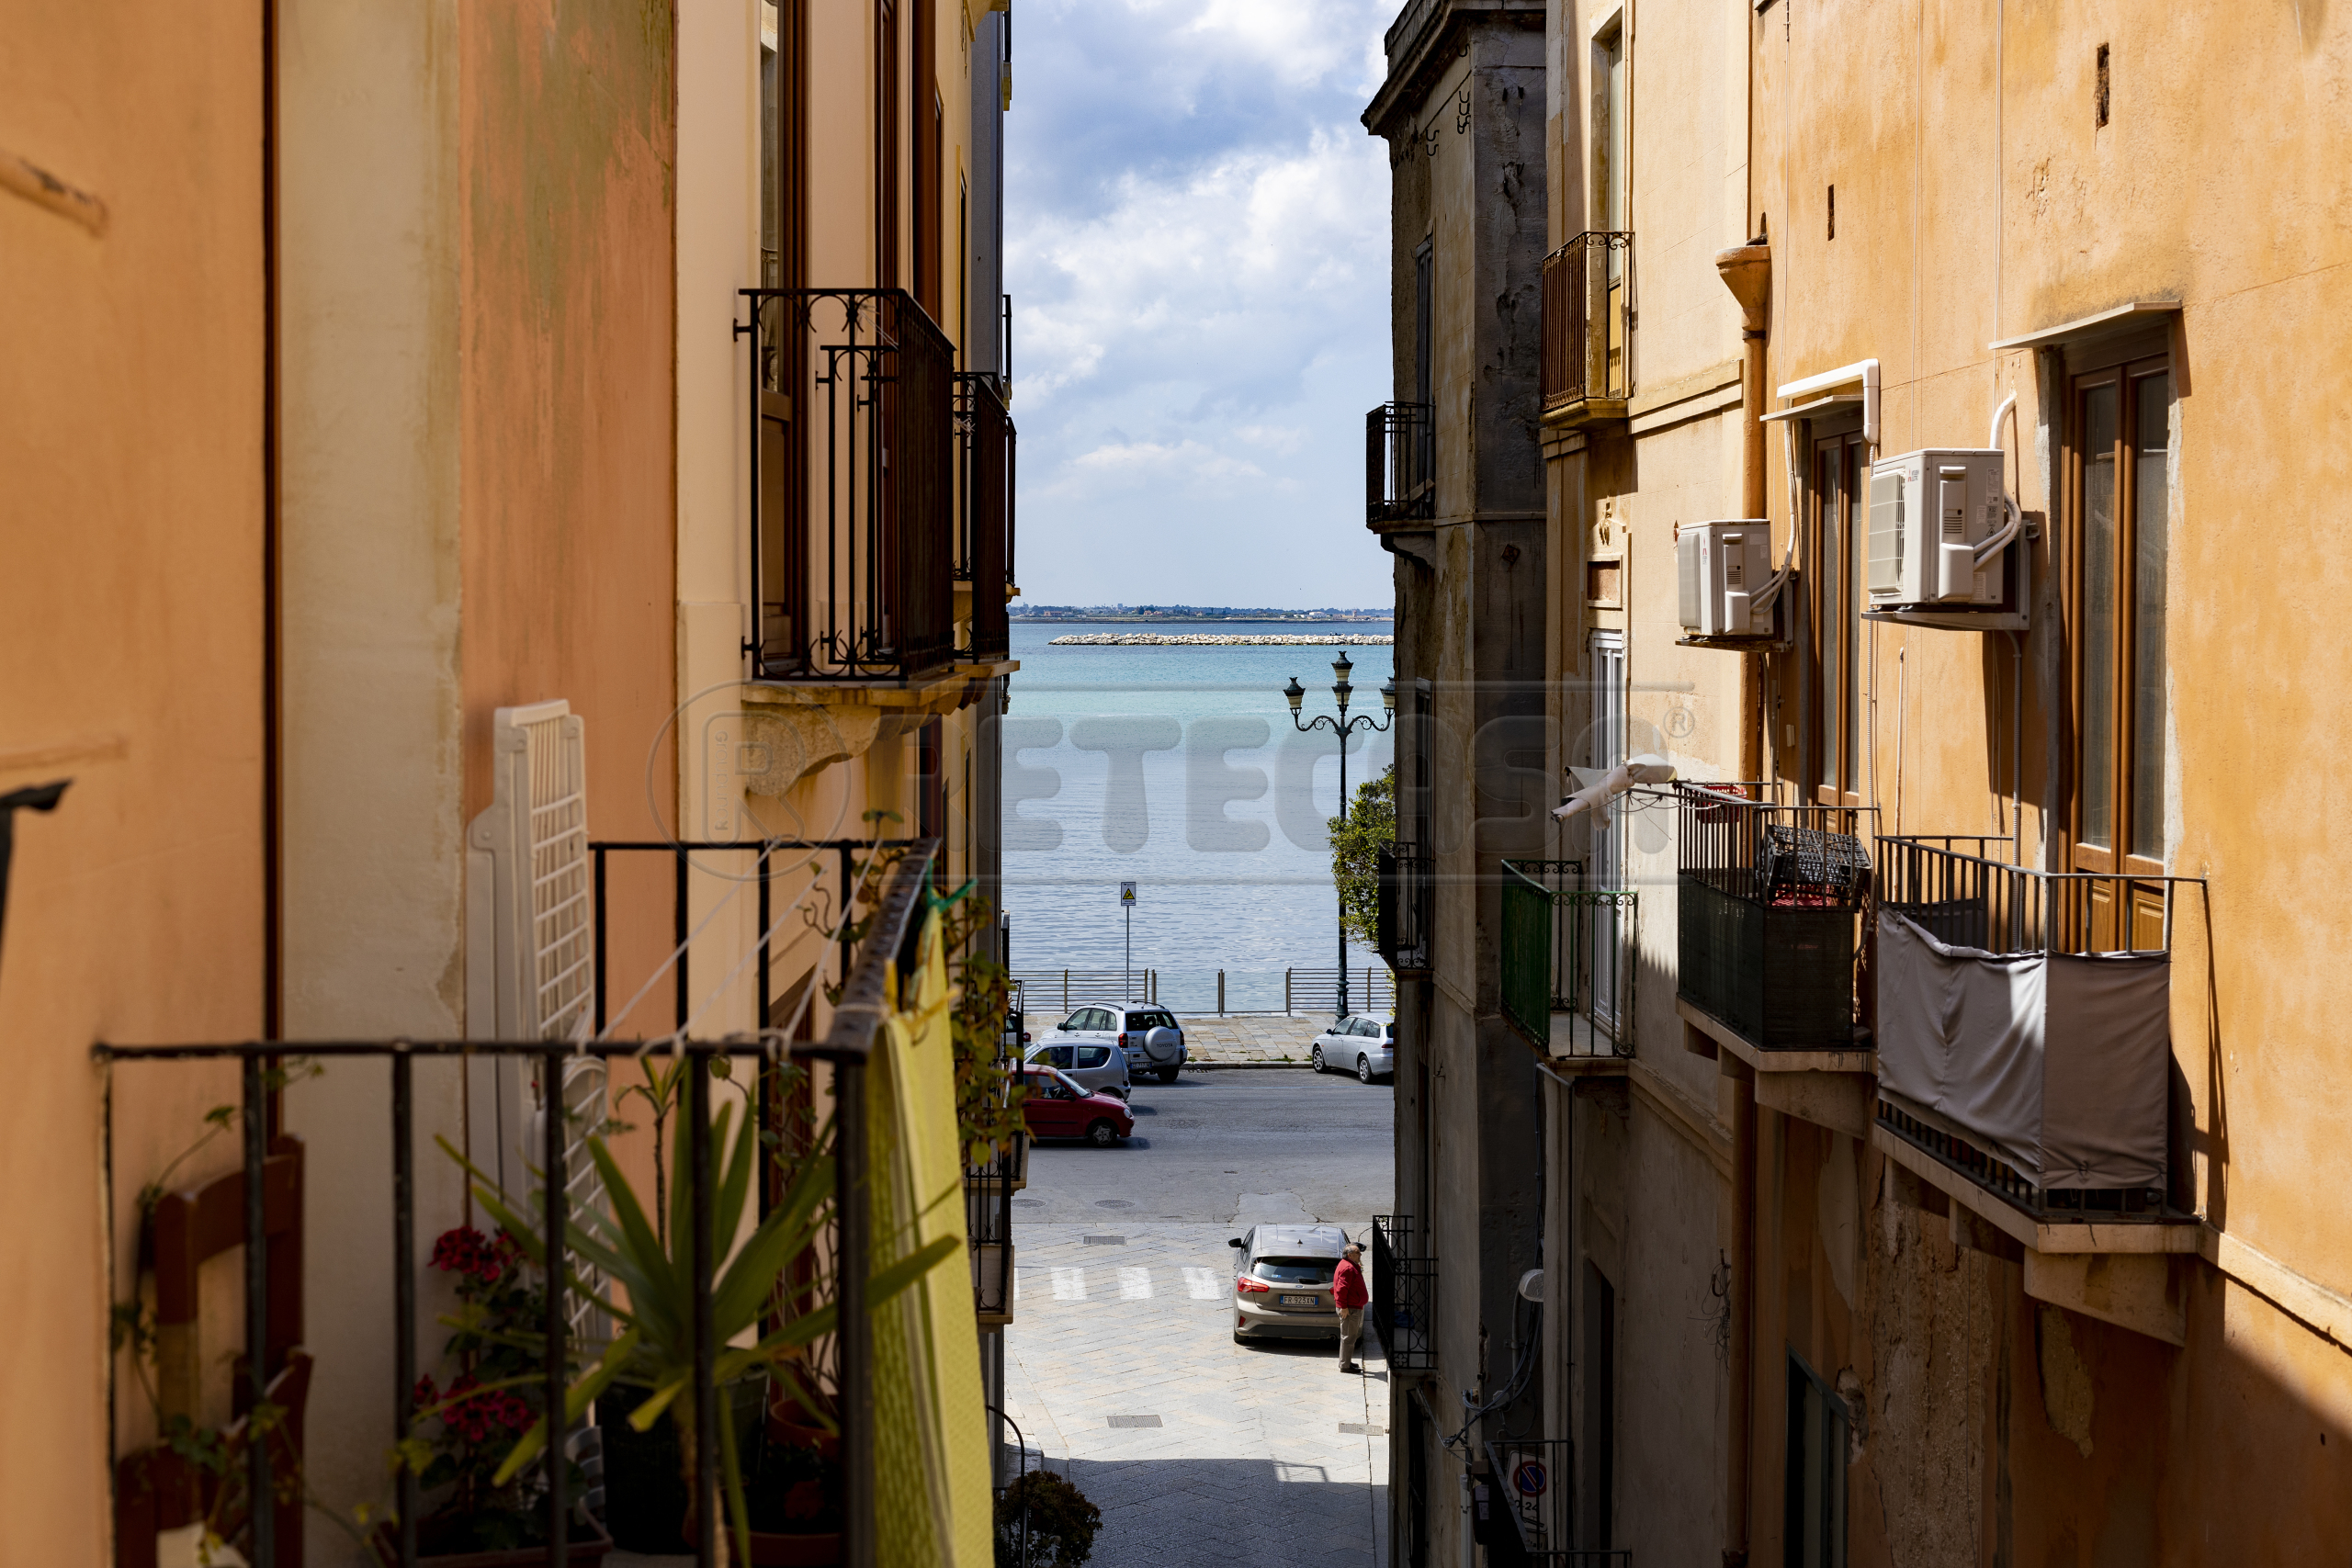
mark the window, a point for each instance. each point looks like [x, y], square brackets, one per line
[1609, 150]
[1813, 1530]
[2120, 426]
[1424, 313]
[1091, 1057]
[1839, 486]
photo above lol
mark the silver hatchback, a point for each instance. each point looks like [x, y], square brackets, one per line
[1282, 1282]
[1097, 1069]
[1358, 1043]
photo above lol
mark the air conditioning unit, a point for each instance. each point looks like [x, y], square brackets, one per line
[1932, 515]
[1724, 578]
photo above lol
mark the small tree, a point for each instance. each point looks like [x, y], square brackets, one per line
[1356, 840]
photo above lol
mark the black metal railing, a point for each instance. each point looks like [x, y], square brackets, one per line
[984, 536]
[852, 477]
[1568, 959]
[846, 1048]
[1769, 916]
[1404, 1294]
[1957, 889]
[1405, 906]
[1399, 462]
[988, 1187]
[1533, 1486]
[1588, 321]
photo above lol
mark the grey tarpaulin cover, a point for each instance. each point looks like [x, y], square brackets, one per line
[2058, 1063]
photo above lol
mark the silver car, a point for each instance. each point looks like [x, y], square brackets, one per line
[1360, 1043]
[1149, 1037]
[1282, 1282]
[1097, 1069]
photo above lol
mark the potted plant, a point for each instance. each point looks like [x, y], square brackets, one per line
[1045, 1521]
[484, 1520]
[653, 1268]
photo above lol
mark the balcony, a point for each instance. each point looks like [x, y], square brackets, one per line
[1769, 928]
[854, 536]
[1587, 369]
[2024, 1042]
[1568, 960]
[1404, 913]
[1399, 464]
[985, 441]
[1404, 1294]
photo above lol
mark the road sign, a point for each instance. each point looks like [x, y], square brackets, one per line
[1529, 1480]
[1126, 893]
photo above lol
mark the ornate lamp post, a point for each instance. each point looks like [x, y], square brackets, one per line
[1342, 726]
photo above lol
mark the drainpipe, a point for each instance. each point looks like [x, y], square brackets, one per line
[1747, 271]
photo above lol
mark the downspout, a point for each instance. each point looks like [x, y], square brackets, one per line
[1747, 271]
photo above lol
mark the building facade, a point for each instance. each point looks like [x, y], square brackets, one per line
[1904, 453]
[545, 665]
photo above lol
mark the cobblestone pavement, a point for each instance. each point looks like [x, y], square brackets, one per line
[1122, 1374]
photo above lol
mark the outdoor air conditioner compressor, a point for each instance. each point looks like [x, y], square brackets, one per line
[1939, 519]
[1724, 578]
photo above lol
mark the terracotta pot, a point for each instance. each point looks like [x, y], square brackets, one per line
[582, 1554]
[774, 1550]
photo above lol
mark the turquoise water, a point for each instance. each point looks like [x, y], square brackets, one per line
[1178, 768]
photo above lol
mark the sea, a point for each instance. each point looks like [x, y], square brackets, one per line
[1180, 770]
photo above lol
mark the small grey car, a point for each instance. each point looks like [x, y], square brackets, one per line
[1282, 1282]
[1097, 1068]
[1358, 1043]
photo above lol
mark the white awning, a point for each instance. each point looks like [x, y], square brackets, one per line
[2090, 326]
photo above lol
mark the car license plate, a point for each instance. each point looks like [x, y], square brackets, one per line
[1298, 1301]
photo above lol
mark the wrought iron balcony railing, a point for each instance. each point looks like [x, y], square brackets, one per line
[985, 441]
[1770, 917]
[1587, 325]
[852, 475]
[1404, 1294]
[1534, 1490]
[1399, 462]
[1568, 959]
[1404, 913]
[2024, 1025]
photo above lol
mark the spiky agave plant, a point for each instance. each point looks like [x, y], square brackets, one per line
[655, 1349]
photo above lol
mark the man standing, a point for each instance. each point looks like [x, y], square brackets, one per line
[1349, 1295]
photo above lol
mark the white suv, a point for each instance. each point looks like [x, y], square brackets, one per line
[1148, 1037]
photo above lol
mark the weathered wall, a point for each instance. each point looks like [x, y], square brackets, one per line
[132, 629]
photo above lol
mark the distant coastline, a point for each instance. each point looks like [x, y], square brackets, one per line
[1213, 639]
[1185, 615]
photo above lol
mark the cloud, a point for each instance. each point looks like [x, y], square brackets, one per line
[1197, 247]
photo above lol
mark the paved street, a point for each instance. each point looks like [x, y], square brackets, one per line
[1221, 1453]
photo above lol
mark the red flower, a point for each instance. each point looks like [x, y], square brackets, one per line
[804, 1500]
[460, 1251]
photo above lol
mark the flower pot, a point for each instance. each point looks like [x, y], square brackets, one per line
[779, 1549]
[586, 1550]
[645, 1497]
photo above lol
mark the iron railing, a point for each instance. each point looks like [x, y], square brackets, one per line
[1776, 957]
[846, 1046]
[1589, 320]
[853, 437]
[988, 1187]
[1956, 888]
[1404, 911]
[985, 441]
[1404, 1294]
[1534, 1482]
[1399, 462]
[1569, 954]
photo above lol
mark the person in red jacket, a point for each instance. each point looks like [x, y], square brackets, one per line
[1349, 1295]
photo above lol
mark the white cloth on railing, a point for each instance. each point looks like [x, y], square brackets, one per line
[2057, 1063]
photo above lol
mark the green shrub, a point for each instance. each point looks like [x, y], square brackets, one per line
[1062, 1523]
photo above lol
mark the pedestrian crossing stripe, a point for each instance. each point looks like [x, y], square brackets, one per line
[1127, 1284]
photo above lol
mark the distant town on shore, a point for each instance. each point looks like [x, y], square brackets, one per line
[1189, 613]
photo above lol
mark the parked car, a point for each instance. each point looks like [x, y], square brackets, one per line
[1098, 1068]
[1057, 1106]
[1361, 1043]
[1282, 1282]
[1149, 1037]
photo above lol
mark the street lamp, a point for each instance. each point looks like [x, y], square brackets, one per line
[1342, 726]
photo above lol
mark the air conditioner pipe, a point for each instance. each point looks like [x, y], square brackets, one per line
[2000, 541]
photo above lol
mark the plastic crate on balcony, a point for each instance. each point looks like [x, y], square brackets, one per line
[1810, 867]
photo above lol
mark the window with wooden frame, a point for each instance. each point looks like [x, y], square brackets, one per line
[2119, 444]
[1837, 558]
[889, 143]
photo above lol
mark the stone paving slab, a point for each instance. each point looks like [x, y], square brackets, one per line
[1256, 1039]
[1249, 1465]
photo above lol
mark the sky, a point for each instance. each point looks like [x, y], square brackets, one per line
[1196, 247]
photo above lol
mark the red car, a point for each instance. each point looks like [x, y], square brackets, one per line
[1056, 1107]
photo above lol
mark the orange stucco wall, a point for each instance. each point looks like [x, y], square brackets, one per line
[131, 638]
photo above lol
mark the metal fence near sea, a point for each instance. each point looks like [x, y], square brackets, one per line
[1200, 992]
